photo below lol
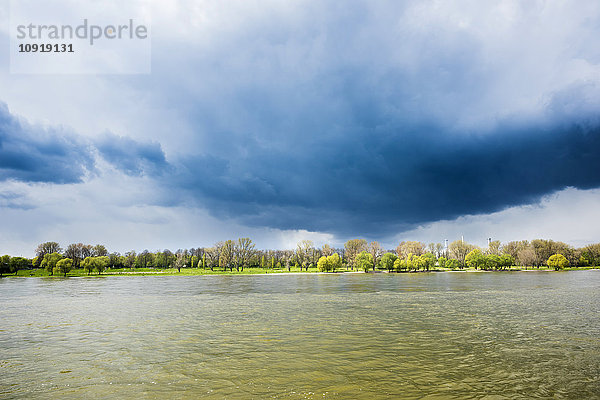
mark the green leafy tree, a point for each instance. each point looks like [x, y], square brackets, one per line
[557, 261]
[493, 261]
[452, 263]
[475, 259]
[429, 260]
[100, 263]
[442, 262]
[88, 264]
[64, 266]
[323, 264]
[18, 263]
[364, 261]
[506, 261]
[49, 262]
[335, 261]
[388, 260]
[4, 265]
[400, 264]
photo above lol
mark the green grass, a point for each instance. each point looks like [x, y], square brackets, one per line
[246, 271]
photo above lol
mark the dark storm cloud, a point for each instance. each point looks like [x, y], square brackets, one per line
[35, 154]
[132, 157]
[30, 153]
[376, 178]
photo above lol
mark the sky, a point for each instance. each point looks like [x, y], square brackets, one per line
[321, 120]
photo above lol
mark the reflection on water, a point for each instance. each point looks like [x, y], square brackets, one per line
[439, 335]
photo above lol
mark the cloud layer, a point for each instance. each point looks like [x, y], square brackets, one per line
[37, 154]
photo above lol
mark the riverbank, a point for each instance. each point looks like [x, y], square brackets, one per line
[258, 271]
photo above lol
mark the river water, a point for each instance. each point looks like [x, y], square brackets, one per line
[339, 336]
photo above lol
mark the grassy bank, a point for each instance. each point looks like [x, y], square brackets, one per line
[247, 271]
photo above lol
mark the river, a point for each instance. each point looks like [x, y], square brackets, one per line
[339, 336]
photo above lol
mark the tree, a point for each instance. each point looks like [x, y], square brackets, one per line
[388, 260]
[99, 251]
[513, 248]
[592, 254]
[46, 248]
[5, 265]
[429, 260]
[303, 253]
[406, 248]
[179, 261]
[227, 257]
[329, 263]
[494, 247]
[415, 262]
[74, 252]
[114, 260]
[400, 264]
[100, 263]
[452, 263]
[526, 257]
[64, 266]
[459, 250]
[545, 248]
[506, 261]
[245, 250]
[353, 247]
[442, 262]
[49, 262]
[144, 259]
[88, 265]
[557, 261]
[323, 264]
[18, 263]
[475, 259]
[326, 250]
[376, 252]
[335, 261]
[130, 257]
[364, 261]
[492, 261]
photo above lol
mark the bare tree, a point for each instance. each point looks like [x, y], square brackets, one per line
[353, 247]
[244, 250]
[326, 250]
[46, 248]
[459, 250]
[376, 251]
[227, 256]
[527, 257]
[406, 248]
[494, 247]
[304, 253]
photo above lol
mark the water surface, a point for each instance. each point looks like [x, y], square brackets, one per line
[375, 336]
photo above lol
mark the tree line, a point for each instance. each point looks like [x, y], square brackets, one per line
[356, 254]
